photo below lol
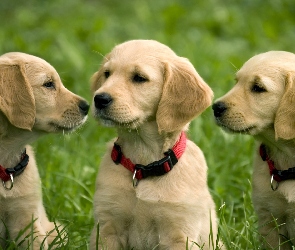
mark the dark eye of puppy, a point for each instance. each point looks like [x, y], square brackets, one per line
[49, 85]
[256, 88]
[106, 74]
[138, 78]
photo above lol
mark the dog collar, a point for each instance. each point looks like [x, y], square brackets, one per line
[7, 174]
[156, 168]
[277, 175]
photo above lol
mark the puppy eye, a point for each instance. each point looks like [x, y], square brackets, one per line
[49, 85]
[106, 74]
[138, 78]
[257, 88]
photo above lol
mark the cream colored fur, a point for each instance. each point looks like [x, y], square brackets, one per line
[161, 212]
[270, 117]
[33, 102]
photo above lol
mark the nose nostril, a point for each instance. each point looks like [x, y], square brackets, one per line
[102, 100]
[219, 108]
[84, 107]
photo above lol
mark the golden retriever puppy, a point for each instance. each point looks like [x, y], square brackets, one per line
[33, 101]
[151, 190]
[262, 104]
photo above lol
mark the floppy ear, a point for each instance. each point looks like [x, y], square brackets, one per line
[17, 101]
[285, 116]
[185, 95]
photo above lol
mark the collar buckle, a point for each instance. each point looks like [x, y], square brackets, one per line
[158, 168]
[171, 158]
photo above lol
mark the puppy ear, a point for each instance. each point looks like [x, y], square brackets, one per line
[285, 116]
[185, 95]
[17, 101]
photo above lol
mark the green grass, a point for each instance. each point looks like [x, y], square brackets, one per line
[217, 36]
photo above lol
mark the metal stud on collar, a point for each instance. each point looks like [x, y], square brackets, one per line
[274, 188]
[11, 183]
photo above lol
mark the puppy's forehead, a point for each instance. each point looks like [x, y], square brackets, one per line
[19, 57]
[137, 49]
[269, 62]
[35, 68]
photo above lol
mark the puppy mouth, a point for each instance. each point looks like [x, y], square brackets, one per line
[67, 127]
[120, 122]
[62, 128]
[246, 130]
[235, 129]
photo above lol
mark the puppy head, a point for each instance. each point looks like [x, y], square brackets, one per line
[261, 101]
[144, 80]
[32, 96]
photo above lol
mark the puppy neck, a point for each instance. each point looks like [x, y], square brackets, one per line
[282, 152]
[12, 143]
[145, 144]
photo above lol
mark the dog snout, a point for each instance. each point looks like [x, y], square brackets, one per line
[102, 100]
[219, 108]
[83, 107]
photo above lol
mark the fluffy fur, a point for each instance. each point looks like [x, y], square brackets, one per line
[262, 104]
[33, 102]
[153, 94]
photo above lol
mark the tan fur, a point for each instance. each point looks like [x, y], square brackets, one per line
[20, 96]
[285, 116]
[269, 116]
[29, 109]
[161, 212]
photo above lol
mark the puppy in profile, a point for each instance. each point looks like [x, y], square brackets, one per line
[33, 102]
[151, 190]
[262, 104]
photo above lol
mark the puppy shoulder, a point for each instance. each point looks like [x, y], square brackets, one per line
[193, 162]
[194, 151]
[287, 189]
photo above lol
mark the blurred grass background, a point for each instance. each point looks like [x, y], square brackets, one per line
[217, 36]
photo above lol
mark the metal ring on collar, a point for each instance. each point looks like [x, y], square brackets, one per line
[11, 183]
[134, 180]
[274, 188]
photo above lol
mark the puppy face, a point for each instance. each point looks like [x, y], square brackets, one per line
[34, 98]
[143, 80]
[260, 97]
[130, 88]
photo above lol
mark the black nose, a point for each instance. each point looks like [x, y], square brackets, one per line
[83, 107]
[219, 108]
[102, 100]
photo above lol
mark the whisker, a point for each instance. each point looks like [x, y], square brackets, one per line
[97, 52]
[236, 68]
